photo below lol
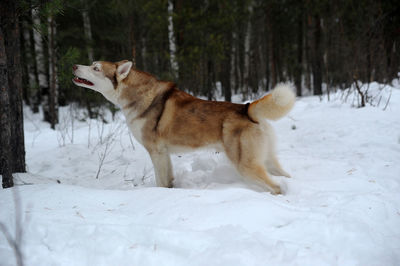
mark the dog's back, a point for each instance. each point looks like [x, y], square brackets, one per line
[193, 122]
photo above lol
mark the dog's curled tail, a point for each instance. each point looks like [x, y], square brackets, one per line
[274, 105]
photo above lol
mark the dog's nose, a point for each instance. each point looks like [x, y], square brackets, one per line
[74, 67]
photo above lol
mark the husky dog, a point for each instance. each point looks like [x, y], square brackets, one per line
[165, 120]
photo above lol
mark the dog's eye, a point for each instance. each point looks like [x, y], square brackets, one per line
[96, 68]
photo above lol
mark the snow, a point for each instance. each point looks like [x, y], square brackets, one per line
[341, 207]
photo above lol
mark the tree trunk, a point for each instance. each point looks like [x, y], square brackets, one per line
[53, 88]
[232, 74]
[247, 51]
[40, 58]
[308, 53]
[87, 30]
[132, 38]
[238, 69]
[143, 53]
[11, 74]
[265, 47]
[271, 46]
[317, 66]
[172, 42]
[25, 60]
[227, 66]
[299, 63]
[210, 79]
[5, 130]
[12, 46]
[35, 89]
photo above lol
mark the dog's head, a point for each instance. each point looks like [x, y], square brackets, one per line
[102, 76]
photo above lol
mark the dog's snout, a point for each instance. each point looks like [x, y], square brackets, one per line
[74, 67]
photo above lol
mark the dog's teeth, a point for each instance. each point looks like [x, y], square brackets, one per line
[82, 80]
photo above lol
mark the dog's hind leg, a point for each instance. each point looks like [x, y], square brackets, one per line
[259, 174]
[244, 150]
[162, 168]
[275, 168]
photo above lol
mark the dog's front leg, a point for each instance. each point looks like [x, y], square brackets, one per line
[162, 168]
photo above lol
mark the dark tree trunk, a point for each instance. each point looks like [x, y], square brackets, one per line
[5, 130]
[10, 29]
[41, 63]
[299, 63]
[25, 60]
[236, 66]
[132, 38]
[368, 74]
[12, 150]
[210, 79]
[272, 50]
[308, 47]
[266, 57]
[317, 66]
[226, 73]
[179, 35]
[36, 95]
[53, 88]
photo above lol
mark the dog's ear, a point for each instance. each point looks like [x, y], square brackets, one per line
[123, 70]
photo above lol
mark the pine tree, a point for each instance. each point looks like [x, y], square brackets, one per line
[12, 150]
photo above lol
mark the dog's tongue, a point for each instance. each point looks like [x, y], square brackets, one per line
[84, 81]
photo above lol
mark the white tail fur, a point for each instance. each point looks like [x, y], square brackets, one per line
[274, 105]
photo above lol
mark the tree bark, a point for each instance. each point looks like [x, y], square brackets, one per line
[265, 47]
[53, 88]
[308, 48]
[42, 78]
[299, 63]
[10, 24]
[5, 130]
[210, 79]
[247, 51]
[87, 30]
[233, 72]
[13, 150]
[35, 89]
[317, 66]
[27, 70]
[271, 46]
[227, 69]
[172, 42]
[132, 38]
[238, 69]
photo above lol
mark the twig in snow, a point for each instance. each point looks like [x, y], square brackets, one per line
[362, 94]
[108, 140]
[387, 103]
[103, 156]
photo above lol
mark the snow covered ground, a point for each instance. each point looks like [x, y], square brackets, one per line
[341, 207]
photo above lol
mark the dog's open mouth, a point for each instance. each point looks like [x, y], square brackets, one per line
[84, 81]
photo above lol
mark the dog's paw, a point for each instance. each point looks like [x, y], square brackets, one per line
[280, 189]
[276, 190]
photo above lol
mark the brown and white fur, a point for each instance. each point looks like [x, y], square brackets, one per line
[165, 120]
